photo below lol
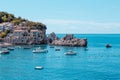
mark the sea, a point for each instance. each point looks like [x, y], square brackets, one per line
[94, 62]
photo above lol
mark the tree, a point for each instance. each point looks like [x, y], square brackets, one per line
[3, 34]
[4, 18]
[7, 31]
[10, 17]
[16, 21]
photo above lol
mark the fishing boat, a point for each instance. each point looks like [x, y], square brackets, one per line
[27, 47]
[38, 67]
[39, 50]
[70, 53]
[57, 49]
[4, 52]
[51, 46]
[11, 48]
[18, 47]
[108, 46]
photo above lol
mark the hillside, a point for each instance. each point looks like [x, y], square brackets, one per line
[8, 17]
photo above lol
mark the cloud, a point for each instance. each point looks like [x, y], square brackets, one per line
[67, 22]
[78, 26]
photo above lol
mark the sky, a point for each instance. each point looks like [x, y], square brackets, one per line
[69, 16]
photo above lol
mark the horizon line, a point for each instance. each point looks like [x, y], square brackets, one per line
[86, 33]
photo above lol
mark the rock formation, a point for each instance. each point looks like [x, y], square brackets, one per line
[68, 40]
[51, 37]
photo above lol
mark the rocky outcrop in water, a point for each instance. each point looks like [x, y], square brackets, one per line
[68, 40]
[52, 37]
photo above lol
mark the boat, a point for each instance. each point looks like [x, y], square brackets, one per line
[4, 47]
[39, 50]
[27, 47]
[18, 47]
[57, 49]
[10, 48]
[86, 49]
[51, 46]
[4, 52]
[108, 46]
[70, 53]
[38, 67]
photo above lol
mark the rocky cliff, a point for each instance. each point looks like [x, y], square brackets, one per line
[68, 40]
[52, 37]
[17, 30]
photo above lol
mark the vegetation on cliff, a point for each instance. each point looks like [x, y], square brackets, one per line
[4, 34]
[8, 17]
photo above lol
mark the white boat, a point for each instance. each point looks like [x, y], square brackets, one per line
[4, 52]
[70, 53]
[10, 48]
[38, 67]
[39, 50]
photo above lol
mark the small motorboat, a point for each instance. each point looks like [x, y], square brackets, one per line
[11, 48]
[27, 47]
[108, 46]
[86, 49]
[57, 49]
[18, 47]
[51, 46]
[38, 67]
[4, 46]
[39, 50]
[4, 52]
[70, 53]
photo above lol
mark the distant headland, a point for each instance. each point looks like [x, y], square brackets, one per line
[20, 31]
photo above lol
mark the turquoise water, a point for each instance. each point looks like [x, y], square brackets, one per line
[95, 63]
